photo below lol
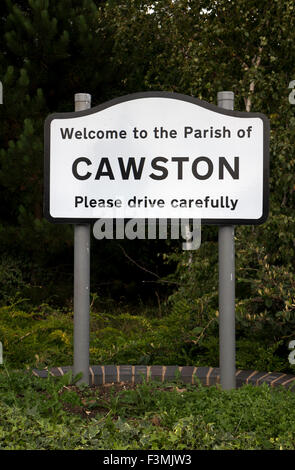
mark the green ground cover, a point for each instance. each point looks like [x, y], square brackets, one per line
[55, 414]
[43, 336]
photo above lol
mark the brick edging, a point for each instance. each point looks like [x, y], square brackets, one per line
[108, 374]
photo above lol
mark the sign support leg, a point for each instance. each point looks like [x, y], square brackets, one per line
[226, 253]
[81, 281]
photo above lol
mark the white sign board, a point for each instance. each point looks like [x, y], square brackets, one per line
[157, 155]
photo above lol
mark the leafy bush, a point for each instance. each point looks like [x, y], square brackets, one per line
[53, 414]
[44, 337]
[12, 279]
[40, 337]
[265, 297]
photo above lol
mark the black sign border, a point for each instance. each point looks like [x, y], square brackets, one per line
[159, 94]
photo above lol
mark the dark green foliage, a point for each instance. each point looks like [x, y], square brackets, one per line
[52, 50]
[52, 414]
[43, 337]
[55, 49]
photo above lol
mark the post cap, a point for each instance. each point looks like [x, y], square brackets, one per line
[225, 95]
[82, 97]
[225, 99]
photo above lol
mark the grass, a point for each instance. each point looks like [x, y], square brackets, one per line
[54, 413]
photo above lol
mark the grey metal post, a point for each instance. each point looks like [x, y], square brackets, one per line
[226, 254]
[81, 281]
